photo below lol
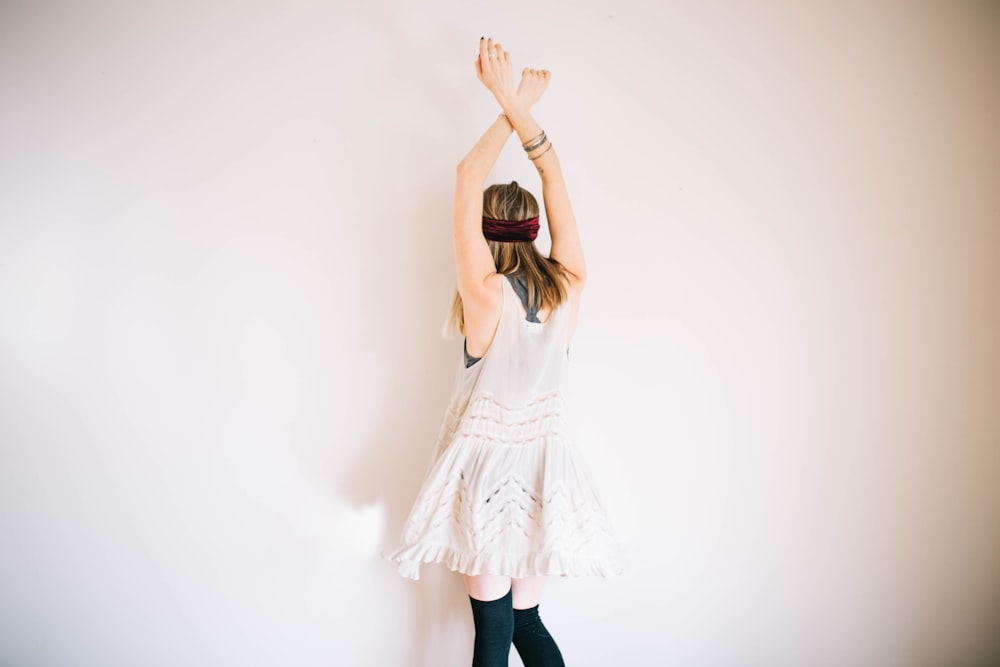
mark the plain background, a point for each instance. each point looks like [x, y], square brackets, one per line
[225, 261]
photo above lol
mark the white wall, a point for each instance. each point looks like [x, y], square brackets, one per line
[225, 258]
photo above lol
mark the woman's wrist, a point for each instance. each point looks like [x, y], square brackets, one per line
[511, 102]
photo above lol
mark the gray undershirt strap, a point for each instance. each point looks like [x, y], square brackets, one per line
[520, 285]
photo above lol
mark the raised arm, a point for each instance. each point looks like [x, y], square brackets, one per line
[566, 247]
[473, 260]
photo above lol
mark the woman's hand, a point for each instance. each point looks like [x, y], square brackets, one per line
[496, 73]
[494, 69]
[533, 84]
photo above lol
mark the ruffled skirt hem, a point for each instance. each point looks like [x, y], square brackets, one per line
[512, 565]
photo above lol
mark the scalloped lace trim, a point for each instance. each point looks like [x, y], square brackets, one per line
[488, 420]
[513, 565]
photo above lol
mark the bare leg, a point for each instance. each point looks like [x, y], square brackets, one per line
[487, 587]
[528, 591]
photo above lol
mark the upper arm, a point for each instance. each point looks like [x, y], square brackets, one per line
[566, 246]
[473, 259]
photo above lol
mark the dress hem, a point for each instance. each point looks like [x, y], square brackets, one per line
[512, 565]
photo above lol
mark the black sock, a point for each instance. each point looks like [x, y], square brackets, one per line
[494, 622]
[533, 642]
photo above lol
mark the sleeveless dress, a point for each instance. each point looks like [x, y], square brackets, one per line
[506, 492]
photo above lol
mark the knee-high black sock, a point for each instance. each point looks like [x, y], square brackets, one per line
[494, 622]
[533, 642]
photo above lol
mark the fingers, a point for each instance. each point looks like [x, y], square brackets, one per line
[491, 52]
[543, 73]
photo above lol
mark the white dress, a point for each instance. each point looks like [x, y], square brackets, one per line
[507, 492]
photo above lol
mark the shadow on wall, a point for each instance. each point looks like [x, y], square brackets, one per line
[416, 371]
[407, 283]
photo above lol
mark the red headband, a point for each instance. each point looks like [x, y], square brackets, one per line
[510, 230]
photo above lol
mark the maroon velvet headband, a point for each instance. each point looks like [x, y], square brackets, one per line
[510, 230]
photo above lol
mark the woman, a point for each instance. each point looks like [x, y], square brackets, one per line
[506, 500]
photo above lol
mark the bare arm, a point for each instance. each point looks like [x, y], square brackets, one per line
[473, 260]
[566, 246]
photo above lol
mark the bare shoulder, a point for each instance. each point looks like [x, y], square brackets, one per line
[574, 289]
[485, 296]
[573, 282]
[481, 310]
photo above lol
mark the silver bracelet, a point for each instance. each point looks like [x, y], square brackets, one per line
[534, 143]
[542, 153]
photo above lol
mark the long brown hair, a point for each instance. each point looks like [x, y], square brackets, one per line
[545, 276]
